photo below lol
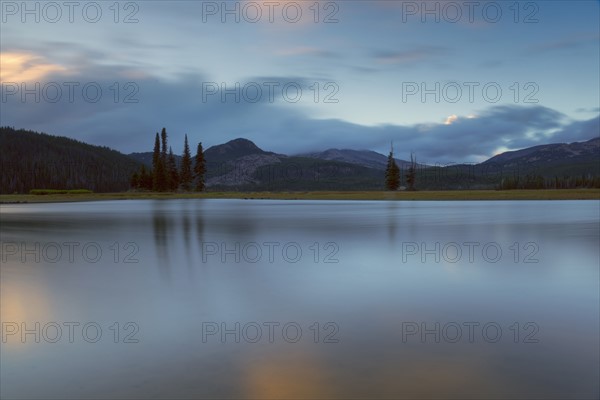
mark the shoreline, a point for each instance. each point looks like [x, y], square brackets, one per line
[449, 195]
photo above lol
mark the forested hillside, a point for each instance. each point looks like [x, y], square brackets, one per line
[31, 160]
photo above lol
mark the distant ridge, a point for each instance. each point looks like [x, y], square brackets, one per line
[551, 153]
[32, 160]
[367, 158]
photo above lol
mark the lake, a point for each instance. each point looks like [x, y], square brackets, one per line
[300, 299]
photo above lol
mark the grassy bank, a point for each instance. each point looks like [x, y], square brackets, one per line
[565, 194]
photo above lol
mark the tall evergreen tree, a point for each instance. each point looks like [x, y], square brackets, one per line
[392, 172]
[156, 152]
[200, 168]
[173, 173]
[185, 177]
[163, 138]
[165, 158]
[155, 162]
[411, 174]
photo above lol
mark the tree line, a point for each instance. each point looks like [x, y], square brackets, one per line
[540, 182]
[165, 175]
[32, 160]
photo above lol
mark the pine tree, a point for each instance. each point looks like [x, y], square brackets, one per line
[185, 176]
[155, 162]
[200, 169]
[173, 173]
[392, 172]
[411, 173]
[163, 137]
[165, 158]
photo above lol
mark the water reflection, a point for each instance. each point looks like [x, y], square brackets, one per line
[161, 225]
[292, 374]
[187, 239]
[176, 287]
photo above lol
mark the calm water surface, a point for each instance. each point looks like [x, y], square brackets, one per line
[300, 299]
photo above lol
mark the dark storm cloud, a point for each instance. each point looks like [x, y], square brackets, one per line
[183, 106]
[188, 104]
[578, 131]
[466, 139]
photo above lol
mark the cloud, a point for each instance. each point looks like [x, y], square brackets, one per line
[578, 131]
[594, 110]
[305, 51]
[26, 67]
[180, 105]
[450, 119]
[568, 43]
[412, 56]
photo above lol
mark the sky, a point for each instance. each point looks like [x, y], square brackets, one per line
[449, 81]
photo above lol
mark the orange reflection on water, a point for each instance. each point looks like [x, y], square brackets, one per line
[22, 301]
[303, 374]
[288, 374]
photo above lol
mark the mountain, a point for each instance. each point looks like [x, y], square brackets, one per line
[32, 160]
[553, 159]
[233, 149]
[558, 165]
[241, 165]
[366, 158]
